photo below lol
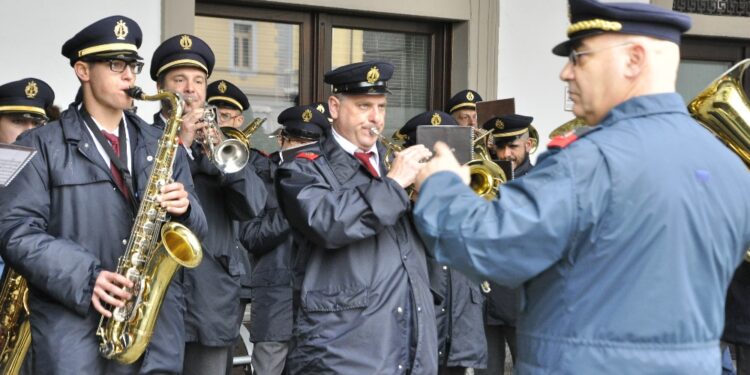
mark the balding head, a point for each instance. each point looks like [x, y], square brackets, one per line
[611, 68]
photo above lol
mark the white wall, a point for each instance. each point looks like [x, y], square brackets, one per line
[528, 71]
[32, 33]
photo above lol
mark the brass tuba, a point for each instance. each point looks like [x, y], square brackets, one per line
[155, 250]
[15, 330]
[486, 176]
[723, 108]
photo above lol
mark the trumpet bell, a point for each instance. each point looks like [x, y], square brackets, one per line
[231, 156]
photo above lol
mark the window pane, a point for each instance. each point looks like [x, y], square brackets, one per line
[262, 59]
[408, 53]
[695, 75]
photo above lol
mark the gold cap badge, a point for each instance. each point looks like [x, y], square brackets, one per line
[307, 115]
[499, 124]
[321, 109]
[121, 30]
[435, 120]
[470, 96]
[222, 87]
[373, 75]
[31, 90]
[186, 42]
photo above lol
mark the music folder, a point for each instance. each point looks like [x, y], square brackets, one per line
[458, 138]
[507, 168]
[12, 159]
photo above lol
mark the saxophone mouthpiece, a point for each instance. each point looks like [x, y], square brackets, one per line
[135, 92]
[375, 132]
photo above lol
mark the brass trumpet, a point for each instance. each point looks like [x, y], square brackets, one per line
[229, 154]
[391, 147]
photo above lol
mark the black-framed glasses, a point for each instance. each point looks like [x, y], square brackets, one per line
[118, 66]
[574, 56]
[225, 116]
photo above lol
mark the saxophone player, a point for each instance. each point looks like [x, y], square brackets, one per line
[214, 309]
[68, 215]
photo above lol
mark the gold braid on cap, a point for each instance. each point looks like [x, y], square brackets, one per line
[595, 24]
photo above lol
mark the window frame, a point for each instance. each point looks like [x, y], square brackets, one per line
[316, 32]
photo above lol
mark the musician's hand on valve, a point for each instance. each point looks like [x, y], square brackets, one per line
[109, 288]
[444, 160]
[407, 164]
[191, 124]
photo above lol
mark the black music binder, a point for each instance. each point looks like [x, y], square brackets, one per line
[458, 138]
[12, 159]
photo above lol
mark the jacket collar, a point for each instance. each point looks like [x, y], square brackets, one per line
[645, 105]
[344, 165]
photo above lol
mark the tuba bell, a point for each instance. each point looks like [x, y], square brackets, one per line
[723, 108]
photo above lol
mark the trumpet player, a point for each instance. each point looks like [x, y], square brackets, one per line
[68, 215]
[624, 244]
[213, 309]
[461, 338]
[230, 102]
[511, 140]
[365, 304]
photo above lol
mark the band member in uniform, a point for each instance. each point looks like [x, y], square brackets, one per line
[624, 242]
[512, 141]
[213, 308]
[230, 102]
[366, 305]
[268, 238]
[510, 134]
[461, 339]
[463, 107]
[67, 216]
[23, 105]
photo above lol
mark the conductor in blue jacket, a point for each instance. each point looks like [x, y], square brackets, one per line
[624, 244]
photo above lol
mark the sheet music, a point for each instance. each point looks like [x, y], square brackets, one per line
[12, 159]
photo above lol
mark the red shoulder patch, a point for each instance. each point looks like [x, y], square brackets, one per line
[562, 141]
[307, 155]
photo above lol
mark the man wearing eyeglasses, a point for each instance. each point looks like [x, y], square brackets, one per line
[624, 244]
[213, 308]
[68, 215]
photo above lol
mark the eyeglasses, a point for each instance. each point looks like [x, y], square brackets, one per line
[574, 56]
[227, 116]
[118, 66]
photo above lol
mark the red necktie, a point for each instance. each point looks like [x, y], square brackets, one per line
[364, 158]
[115, 143]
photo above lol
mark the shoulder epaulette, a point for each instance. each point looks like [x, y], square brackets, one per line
[563, 141]
[307, 155]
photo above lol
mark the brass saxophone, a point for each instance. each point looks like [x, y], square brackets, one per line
[15, 331]
[156, 249]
